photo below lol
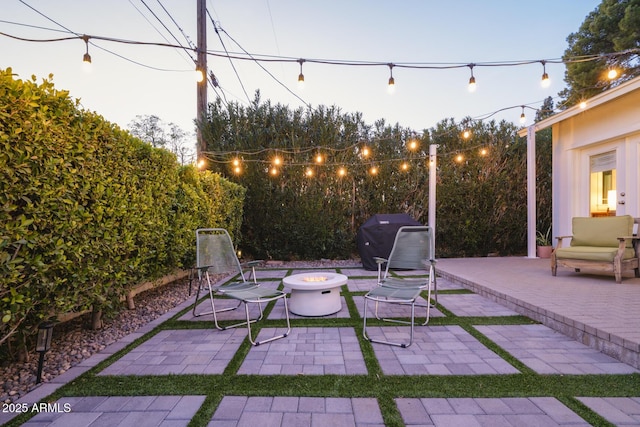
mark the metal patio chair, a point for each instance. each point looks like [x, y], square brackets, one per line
[413, 248]
[215, 254]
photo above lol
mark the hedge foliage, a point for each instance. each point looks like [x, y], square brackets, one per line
[306, 210]
[87, 210]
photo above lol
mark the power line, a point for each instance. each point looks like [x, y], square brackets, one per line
[267, 71]
[165, 27]
[176, 24]
[215, 27]
[190, 60]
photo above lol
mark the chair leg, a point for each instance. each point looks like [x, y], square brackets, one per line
[397, 344]
[277, 337]
[235, 325]
[206, 313]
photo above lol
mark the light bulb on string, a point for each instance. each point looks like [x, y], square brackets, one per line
[583, 105]
[308, 173]
[466, 134]
[236, 166]
[523, 118]
[612, 73]
[373, 170]
[459, 158]
[483, 151]
[86, 59]
[412, 144]
[365, 151]
[199, 75]
[545, 82]
[391, 88]
[472, 80]
[301, 76]
[342, 172]
[319, 158]
[404, 166]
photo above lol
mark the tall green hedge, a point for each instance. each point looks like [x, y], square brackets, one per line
[87, 210]
[481, 202]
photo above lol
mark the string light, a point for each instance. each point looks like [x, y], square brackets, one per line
[301, 76]
[483, 151]
[466, 134]
[459, 158]
[404, 166]
[366, 152]
[392, 83]
[583, 105]
[523, 118]
[373, 170]
[612, 74]
[342, 172]
[319, 158]
[86, 59]
[246, 56]
[412, 144]
[472, 79]
[236, 166]
[546, 82]
[199, 75]
[277, 160]
[309, 172]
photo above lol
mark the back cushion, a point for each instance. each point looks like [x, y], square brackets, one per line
[602, 231]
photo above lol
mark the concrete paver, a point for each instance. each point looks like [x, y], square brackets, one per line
[199, 351]
[621, 411]
[472, 305]
[436, 350]
[549, 352]
[297, 411]
[120, 411]
[309, 351]
[490, 412]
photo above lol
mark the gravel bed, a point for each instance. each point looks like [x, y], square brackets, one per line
[73, 342]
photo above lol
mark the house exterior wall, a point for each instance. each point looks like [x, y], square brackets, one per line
[610, 126]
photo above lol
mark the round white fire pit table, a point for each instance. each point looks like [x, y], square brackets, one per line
[315, 293]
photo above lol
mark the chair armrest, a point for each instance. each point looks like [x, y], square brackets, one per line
[379, 261]
[252, 265]
[560, 238]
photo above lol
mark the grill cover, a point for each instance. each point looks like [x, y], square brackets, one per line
[375, 237]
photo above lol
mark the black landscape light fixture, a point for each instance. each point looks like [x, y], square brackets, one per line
[43, 344]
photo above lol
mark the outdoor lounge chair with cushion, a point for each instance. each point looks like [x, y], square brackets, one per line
[413, 248]
[215, 254]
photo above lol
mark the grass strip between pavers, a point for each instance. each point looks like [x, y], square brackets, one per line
[385, 388]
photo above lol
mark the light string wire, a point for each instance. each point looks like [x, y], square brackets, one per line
[246, 56]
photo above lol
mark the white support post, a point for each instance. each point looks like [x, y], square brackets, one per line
[531, 192]
[433, 164]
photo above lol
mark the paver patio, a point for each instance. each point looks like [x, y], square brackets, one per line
[333, 349]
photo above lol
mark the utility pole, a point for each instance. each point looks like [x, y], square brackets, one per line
[201, 65]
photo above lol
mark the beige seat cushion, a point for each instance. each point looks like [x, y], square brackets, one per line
[592, 253]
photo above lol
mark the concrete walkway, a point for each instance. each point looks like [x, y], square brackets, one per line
[592, 312]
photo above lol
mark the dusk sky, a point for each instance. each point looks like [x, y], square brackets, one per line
[132, 79]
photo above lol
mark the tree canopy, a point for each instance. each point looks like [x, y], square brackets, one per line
[612, 30]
